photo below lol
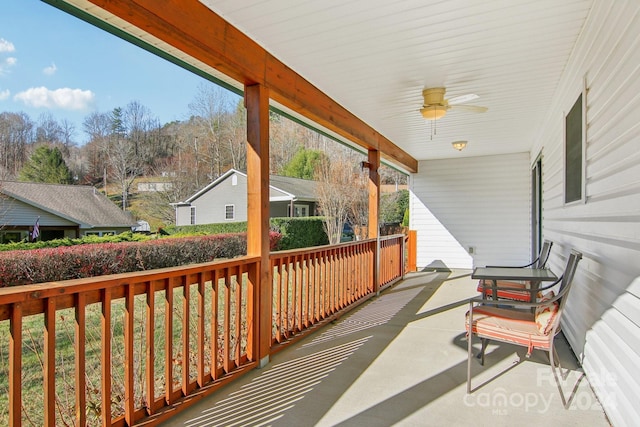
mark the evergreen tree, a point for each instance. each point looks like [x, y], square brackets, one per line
[304, 163]
[46, 165]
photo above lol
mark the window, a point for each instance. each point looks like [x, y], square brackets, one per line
[229, 211]
[301, 210]
[192, 220]
[12, 236]
[574, 165]
[86, 233]
[234, 180]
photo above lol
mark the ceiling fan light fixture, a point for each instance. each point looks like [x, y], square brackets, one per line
[433, 112]
[459, 145]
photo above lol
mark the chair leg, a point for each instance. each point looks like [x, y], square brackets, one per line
[469, 357]
[552, 352]
[469, 353]
[557, 359]
[485, 343]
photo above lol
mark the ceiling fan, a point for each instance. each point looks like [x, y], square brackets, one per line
[435, 106]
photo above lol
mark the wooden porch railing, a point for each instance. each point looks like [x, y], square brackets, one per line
[129, 349]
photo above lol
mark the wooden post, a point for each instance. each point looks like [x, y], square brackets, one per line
[259, 310]
[412, 250]
[374, 209]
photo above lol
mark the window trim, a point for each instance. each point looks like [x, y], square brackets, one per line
[233, 212]
[302, 208]
[192, 215]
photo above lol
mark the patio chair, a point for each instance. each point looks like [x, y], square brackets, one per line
[515, 290]
[512, 322]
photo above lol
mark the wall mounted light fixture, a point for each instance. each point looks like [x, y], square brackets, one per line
[459, 145]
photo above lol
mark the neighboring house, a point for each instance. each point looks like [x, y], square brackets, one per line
[153, 184]
[225, 200]
[61, 211]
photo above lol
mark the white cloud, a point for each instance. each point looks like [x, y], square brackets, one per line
[4, 94]
[65, 98]
[6, 64]
[50, 70]
[6, 46]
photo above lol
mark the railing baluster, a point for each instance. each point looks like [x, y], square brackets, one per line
[227, 321]
[80, 356]
[309, 291]
[129, 397]
[214, 324]
[50, 362]
[105, 325]
[295, 286]
[238, 315]
[168, 341]
[186, 294]
[201, 302]
[15, 366]
[278, 297]
[285, 296]
[150, 350]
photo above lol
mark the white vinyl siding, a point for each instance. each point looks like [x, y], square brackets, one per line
[475, 204]
[211, 204]
[15, 212]
[602, 321]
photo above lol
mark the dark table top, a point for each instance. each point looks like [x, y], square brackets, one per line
[502, 273]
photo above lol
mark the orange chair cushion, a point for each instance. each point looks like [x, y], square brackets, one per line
[545, 315]
[512, 294]
[515, 326]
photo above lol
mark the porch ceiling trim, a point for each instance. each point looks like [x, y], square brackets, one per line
[195, 30]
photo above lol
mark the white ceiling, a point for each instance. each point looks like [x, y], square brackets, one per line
[374, 57]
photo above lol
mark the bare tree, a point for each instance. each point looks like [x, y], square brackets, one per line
[122, 153]
[339, 195]
[212, 110]
[16, 135]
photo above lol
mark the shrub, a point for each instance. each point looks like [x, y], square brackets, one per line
[122, 237]
[300, 232]
[80, 261]
[220, 228]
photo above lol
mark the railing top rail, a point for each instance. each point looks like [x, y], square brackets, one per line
[14, 294]
[392, 236]
[314, 249]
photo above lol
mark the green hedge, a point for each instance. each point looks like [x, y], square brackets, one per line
[63, 263]
[118, 238]
[302, 232]
[220, 228]
[299, 232]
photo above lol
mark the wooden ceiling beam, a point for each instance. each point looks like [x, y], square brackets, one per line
[194, 29]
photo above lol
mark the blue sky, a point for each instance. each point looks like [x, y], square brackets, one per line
[54, 63]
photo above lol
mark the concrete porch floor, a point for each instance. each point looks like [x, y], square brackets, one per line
[401, 359]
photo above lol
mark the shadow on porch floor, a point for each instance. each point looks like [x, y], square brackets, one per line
[400, 359]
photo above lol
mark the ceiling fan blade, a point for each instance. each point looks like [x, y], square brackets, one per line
[473, 108]
[462, 98]
[401, 113]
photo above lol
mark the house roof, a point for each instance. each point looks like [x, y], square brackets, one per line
[77, 203]
[293, 188]
[298, 188]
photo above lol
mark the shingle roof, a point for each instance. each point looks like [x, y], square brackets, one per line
[300, 188]
[77, 203]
